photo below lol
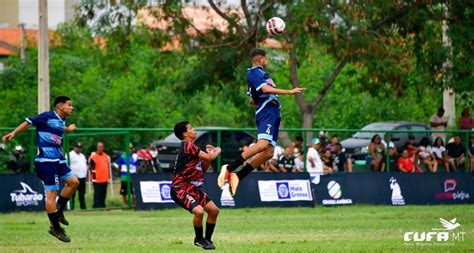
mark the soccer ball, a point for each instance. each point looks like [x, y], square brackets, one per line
[275, 26]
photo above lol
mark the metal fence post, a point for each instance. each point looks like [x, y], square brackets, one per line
[387, 149]
[305, 137]
[129, 176]
[219, 144]
[32, 151]
[467, 160]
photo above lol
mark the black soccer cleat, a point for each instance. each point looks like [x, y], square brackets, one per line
[62, 219]
[60, 234]
[203, 243]
[210, 245]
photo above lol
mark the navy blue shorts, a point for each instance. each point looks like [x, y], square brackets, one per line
[51, 172]
[268, 123]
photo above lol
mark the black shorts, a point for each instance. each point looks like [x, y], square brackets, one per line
[123, 188]
[190, 197]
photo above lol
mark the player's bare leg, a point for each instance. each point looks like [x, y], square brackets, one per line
[199, 239]
[224, 175]
[212, 213]
[55, 229]
[71, 186]
[257, 160]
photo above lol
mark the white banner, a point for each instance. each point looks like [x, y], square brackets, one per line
[156, 191]
[284, 190]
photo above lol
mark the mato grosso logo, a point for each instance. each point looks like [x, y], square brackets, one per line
[437, 235]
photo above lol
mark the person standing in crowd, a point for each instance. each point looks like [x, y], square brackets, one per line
[99, 166]
[314, 165]
[125, 176]
[78, 164]
[439, 123]
[466, 122]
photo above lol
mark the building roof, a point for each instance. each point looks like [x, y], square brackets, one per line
[10, 39]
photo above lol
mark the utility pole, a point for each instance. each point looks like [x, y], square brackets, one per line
[43, 58]
[449, 102]
[22, 43]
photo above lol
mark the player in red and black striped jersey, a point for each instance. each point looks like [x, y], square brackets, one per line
[191, 163]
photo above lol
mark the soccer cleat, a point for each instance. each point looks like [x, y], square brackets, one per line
[233, 183]
[60, 234]
[62, 219]
[210, 245]
[223, 176]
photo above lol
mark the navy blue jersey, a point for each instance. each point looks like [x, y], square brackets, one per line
[49, 136]
[256, 79]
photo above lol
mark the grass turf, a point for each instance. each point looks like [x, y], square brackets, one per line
[321, 229]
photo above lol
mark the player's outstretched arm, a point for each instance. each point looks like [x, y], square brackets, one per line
[211, 154]
[22, 127]
[70, 128]
[269, 89]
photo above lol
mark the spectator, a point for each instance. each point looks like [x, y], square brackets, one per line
[18, 163]
[332, 146]
[323, 138]
[376, 154]
[412, 148]
[273, 162]
[298, 146]
[405, 164]
[471, 153]
[287, 161]
[426, 155]
[440, 153]
[328, 161]
[342, 161]
[439, 123]
[125, 176]
[78, 165]
[392, 152]
[99, 166]
[466, 122]
[314, 165]
[456, 154]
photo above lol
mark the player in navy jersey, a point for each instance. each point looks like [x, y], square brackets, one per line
[50, 162]
[264, 94]
[191, 163]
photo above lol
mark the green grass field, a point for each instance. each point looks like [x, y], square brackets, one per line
[320, 229]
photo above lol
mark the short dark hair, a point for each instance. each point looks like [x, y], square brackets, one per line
[441, 109]
[299, 138]
[257, 52]
[60, 100]
[180, 128]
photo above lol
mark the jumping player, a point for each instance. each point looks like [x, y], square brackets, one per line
[50, 162]
[264, 94]
[186, 191]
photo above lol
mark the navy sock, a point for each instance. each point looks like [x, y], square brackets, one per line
[53, 218]
[198, 231]
[62, 202]
[245, 171]
[209, 231]
[235, 163]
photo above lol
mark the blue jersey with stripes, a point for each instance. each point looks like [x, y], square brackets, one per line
[49, 136]
[256, 79]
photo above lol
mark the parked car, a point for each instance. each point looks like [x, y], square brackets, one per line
[357, 146]
[232, 143]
